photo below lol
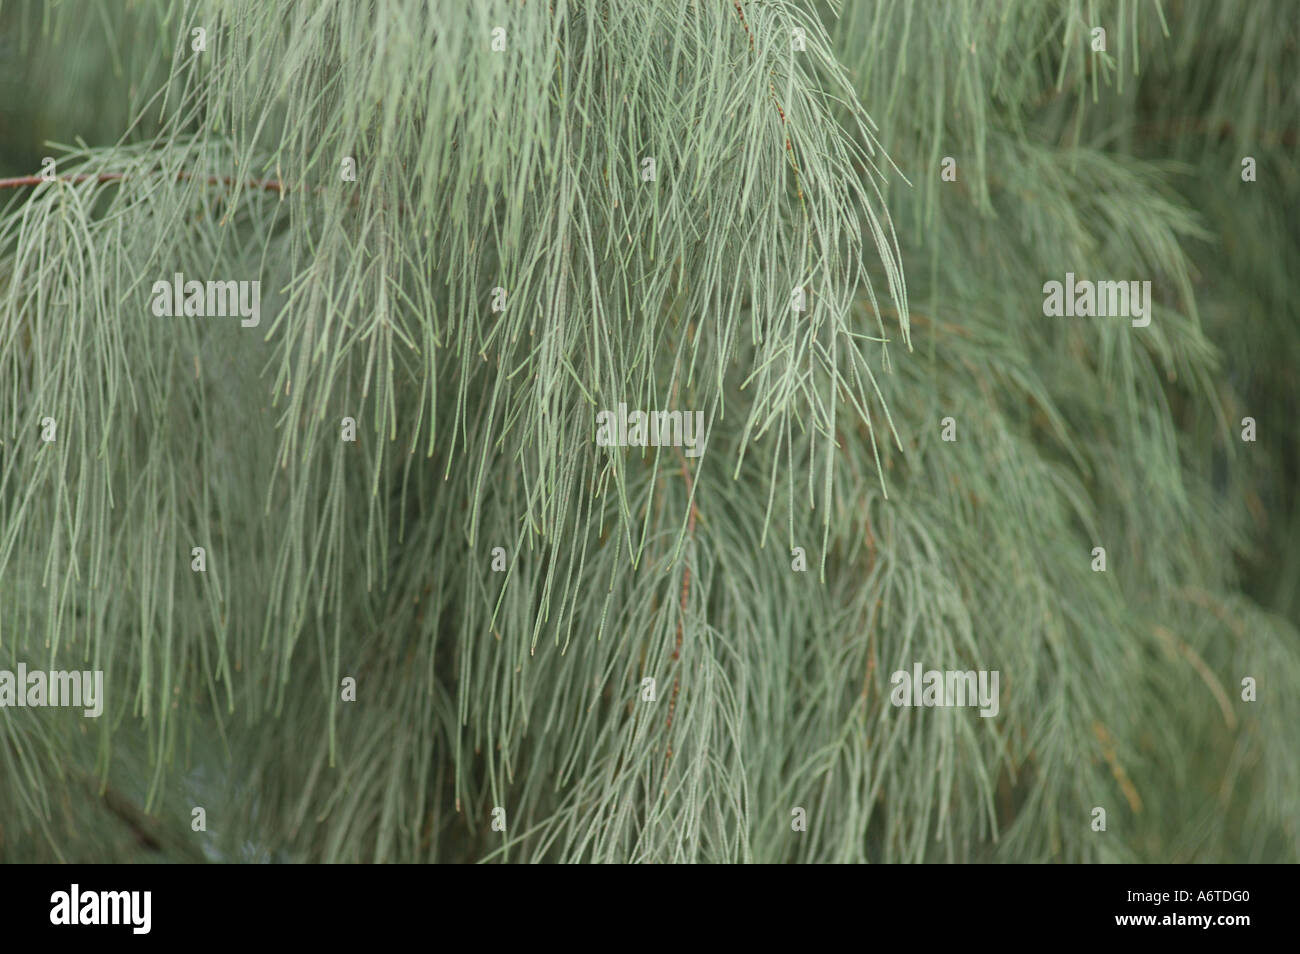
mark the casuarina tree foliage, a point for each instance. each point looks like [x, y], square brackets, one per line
[649, 431]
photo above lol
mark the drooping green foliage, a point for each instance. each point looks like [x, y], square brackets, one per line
[795, 146]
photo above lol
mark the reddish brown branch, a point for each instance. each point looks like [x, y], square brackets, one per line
[771, 88]
[743, 22]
